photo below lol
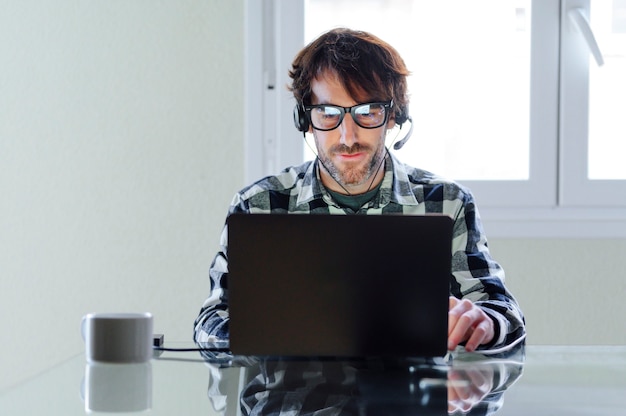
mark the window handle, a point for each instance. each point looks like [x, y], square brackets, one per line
[577, 16]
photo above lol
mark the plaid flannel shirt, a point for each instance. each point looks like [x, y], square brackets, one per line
[404, 190]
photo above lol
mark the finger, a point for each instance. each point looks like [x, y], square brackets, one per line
[462, 322]
[456, 309]
[480, 379]
[458, 386]
[459, 332]
[451, 305]
[481, 334]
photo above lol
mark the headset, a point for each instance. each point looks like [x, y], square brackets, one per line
[302, 123]
[300, 119]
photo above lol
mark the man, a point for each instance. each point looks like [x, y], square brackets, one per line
[351, 91]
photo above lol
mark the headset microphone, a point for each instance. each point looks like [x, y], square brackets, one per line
[401, 143]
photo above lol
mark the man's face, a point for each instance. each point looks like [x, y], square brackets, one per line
[350, 154]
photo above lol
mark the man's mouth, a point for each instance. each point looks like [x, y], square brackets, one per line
[352, 153]
[355, 156]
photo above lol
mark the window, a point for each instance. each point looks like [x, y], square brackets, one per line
[469, 104]
[506, 97]
[593, 135]
[607, 92]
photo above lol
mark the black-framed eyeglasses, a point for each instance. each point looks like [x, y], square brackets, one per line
[367, 115]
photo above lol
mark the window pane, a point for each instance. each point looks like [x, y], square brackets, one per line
[470, 83]
[607, 92]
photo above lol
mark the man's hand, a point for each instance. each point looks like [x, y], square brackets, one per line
[467, 322]
[467, 387]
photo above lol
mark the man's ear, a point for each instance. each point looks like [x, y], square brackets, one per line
[391, 123]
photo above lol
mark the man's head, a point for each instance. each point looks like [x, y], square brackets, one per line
[350, 87]
[366, 66]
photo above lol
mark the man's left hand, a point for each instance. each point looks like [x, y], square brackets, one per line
[468, 323]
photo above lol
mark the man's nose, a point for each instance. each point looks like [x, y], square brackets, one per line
[348, 129]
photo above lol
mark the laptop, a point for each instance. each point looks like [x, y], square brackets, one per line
[339, 285]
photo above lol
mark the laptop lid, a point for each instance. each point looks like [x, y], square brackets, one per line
[339, 285]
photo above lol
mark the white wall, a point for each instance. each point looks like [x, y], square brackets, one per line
[571, 291]
[121, 136]
[121, 144]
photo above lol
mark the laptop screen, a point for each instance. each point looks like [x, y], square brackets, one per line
[339, 285]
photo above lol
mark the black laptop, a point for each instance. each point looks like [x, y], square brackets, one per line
[339, 285]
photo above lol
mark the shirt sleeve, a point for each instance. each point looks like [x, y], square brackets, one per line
[265, 196]
[211, 325]
[478, 277]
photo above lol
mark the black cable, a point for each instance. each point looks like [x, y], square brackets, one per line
[215, 349]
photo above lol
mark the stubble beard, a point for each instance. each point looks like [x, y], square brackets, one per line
[355, 175]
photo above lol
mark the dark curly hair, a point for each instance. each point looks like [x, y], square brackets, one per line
[365, 65]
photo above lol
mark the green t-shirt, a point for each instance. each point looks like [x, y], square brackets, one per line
[354, 202]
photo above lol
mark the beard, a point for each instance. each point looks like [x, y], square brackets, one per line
[353, 174]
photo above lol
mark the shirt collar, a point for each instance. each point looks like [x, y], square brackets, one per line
[401, 191]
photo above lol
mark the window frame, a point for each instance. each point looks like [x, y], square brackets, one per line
[575, 58]
[557, 201]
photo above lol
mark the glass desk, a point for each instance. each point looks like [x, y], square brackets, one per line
[536, 380]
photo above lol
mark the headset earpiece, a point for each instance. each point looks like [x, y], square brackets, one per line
[300, 119]
[401, 115]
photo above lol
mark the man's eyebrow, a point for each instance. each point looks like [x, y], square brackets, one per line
[321, 102]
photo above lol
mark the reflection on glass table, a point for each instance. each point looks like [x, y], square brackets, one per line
[535, 380]
[376, 387]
